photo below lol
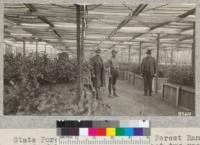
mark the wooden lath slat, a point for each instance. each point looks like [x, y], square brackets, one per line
[138, 10]
[32, 9]
[181, 16]
[66, 34]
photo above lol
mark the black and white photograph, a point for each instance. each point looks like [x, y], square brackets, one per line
[99, 59]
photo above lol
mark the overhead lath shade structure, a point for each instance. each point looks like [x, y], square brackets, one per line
[128, 29]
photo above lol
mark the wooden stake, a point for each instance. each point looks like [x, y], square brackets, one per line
[45, 49]
[157, 62]
[36, 50]
[140, 52]
[172, 56]
[82, 39]
[78, 43]
[15, 51]
[193, 51]
[129, 54]
[24, 47]
[121, 56]
[165, 52]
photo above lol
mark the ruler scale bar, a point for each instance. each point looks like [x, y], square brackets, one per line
[103, 140]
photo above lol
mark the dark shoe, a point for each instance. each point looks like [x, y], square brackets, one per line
[115, 95]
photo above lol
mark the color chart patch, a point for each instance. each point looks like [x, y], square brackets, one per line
[103, 128]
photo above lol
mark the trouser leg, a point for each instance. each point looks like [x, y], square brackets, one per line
[115, 76]
[110, 85]
[98, 93]
[145, 85]
[113, 85]
[150, 85]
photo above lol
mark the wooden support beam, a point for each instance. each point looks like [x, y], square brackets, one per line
[17, 22]
[167, 22]
[82, 38]
[32, 9]
[15, 51]
[193, 51]
[33, 33]
[36, 50]
[129, 53]
[140, 53]
[181, 16]
[24, 47]
[185, 38]
[187, 28]
[121, 56]
[132, 14]
[157, 62]
[190, 12]
[45, 49]
[78, 37]
[45, 20]
[165, 53]
[172, 56]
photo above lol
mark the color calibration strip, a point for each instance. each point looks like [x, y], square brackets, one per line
[103, 128]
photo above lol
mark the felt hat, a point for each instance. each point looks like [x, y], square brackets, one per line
[98, 50]
[114, 51]
[148, 51]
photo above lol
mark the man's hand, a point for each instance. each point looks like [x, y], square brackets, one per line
[93, 75]
[110, 78]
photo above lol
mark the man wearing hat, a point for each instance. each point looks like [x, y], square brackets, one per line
[148, 70]
[97, 72]
[113, 73]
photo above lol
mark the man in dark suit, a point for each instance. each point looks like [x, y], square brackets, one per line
[97, 72]
[148, 70]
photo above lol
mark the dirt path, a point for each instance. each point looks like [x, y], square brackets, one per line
[131, 102]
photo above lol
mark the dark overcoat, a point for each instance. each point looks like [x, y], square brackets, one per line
[98, 73]
[148, 66]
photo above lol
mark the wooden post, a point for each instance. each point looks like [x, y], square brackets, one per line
[140, 52]
[51, 53]
[121, 56]
[78, 43]
[44, 55]
[45, 49]
[129, 54]
[36, 50]
[24, 48]
[172, 56]
[157, 62]
[140, 55]
[165, 53]
[15, 51]
[193, 51]
[82, 38]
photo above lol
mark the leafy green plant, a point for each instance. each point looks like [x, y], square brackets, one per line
[132, 67]
[24, 78]
[163, 70]
[182, 75]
